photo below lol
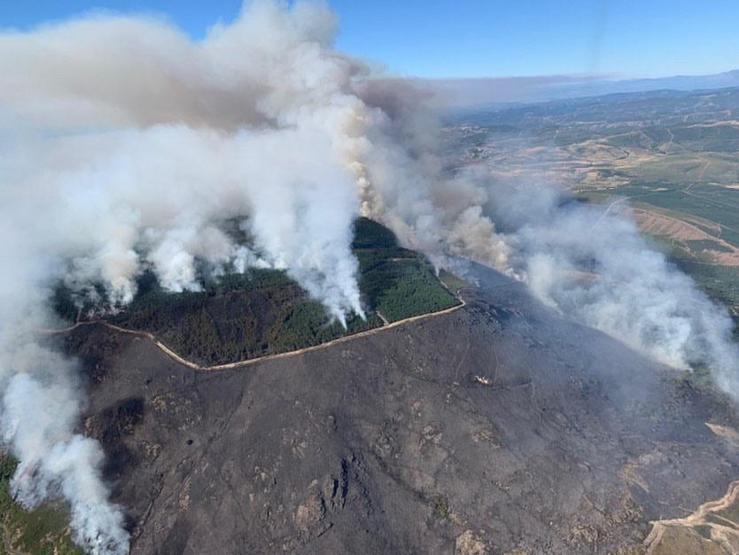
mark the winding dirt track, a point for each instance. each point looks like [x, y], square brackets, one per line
[242, 363]
[723, 530]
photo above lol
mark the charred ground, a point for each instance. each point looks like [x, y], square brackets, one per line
[499, 428]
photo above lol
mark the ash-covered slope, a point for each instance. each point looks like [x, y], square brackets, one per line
[498, 428]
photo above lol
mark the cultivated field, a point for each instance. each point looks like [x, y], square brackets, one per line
[672, 156]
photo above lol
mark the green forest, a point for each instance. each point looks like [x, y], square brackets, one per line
[262, 311]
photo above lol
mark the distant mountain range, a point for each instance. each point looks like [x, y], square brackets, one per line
[678, 83]
[458, 93]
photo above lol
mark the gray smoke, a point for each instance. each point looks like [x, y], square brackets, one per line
[126, 146]
[41, 401]
[588, 263]
[591, 264]
[152, 140]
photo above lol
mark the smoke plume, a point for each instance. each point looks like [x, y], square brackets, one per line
[125, 146]
[591, 264]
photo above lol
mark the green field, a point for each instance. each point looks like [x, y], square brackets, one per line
[670, 153]
[397, 282]
[452, 282]
[43, 531]
[711, 202]
[720, 282]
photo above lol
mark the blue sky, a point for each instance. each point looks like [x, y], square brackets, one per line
[485, 38]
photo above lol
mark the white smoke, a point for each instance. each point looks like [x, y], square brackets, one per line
[161, 136]
[126, 146]
[401, 176]
[151, 138]
[38, 414]
[591, 264]
[41, 400]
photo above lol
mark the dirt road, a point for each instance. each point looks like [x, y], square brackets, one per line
[240, 364]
